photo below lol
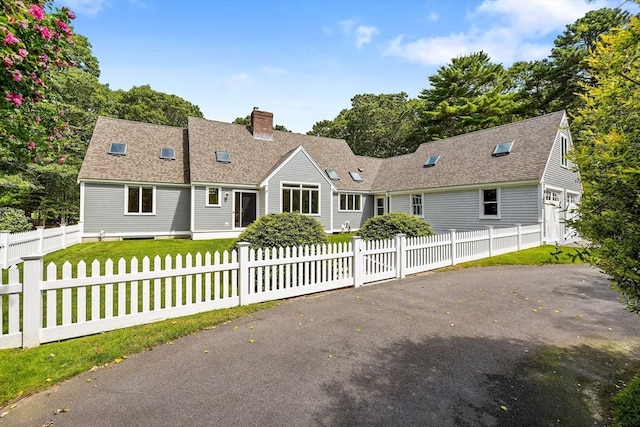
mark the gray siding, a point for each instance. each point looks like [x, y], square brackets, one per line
[104, 211]
[300, 169]
[356, 219]
[557, 175]
[400, 203]
[212, 218]
[461, 209]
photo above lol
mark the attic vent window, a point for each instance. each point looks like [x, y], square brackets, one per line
[355, 176]
[167, 154]
[332, 174]
[118, 149]
[223, 157]
[431, 161]
[502, 149]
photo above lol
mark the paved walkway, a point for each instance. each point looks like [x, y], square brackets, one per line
[471, 347]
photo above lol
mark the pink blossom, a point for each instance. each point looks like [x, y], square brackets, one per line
[36, 12]
[70, 13]
[62, 159]
[38, 119]
[43, 57]
[23, 52]
[64, 27]
[31, 145]
[50, 137]
[15, 98]
[45, 33]
[8, 62]
[9, 38]
[17, 76]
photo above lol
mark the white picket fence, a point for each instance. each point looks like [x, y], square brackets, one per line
[14, 246]
[76, 300]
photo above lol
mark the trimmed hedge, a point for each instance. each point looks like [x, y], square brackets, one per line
[282, 230]
[388, 225]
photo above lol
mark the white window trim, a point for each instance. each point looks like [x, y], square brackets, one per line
[126, 200]
[206, 197]
[413, 206]
[565, 147]
[349, 210]
[300, 184]
[482, 203]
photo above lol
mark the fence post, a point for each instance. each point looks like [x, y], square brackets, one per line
[541, 232]
[401, 255]
[490, 229]
[519, 230]
[4, 248]
[454, 256]
[63, 230]
[40, 239]
[243, 272]
[32, 300]
[356, 244]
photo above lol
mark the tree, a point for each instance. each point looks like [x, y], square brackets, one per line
[382, 125]
[144, 104]
[607, 154]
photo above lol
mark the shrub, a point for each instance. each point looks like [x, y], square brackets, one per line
[14, 220]
[282, 230]
[628, 405]
[388, 225]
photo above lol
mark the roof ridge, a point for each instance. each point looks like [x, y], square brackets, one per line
[139, 122]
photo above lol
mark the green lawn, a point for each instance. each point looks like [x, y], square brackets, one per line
[27, 371]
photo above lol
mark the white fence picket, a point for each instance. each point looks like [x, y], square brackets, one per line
[14, 246]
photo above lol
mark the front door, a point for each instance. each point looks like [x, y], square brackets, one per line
[245, 208]
[380, 205]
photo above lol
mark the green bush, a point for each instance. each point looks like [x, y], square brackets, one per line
[388, 225]
[14, 220]
[283, 230]
[628, 405]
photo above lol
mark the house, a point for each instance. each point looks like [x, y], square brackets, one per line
[212, 179]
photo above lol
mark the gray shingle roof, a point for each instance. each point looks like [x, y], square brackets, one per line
[142, 162]
[464, 160]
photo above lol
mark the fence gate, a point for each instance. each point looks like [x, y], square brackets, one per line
[379, 260]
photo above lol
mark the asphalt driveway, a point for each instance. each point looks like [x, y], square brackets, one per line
[499, 346]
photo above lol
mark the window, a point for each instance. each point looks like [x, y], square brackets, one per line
[223, 157]
[117, 149]
[489, 207]
[167, 154]
[355, 176]
[332, 174]
[350, 202]
[564, 146]
[431, 161]
[303, 198]
[502, 149]
[213, 196]
[140, 199]
[416, 204]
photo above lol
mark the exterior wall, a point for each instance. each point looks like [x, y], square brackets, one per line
[559, 176]
[104, 212]
[356, 219]
[460, 209]
[212, 218]
[300, 169]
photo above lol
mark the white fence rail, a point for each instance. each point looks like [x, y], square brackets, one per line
[59, 302]
[15, 246]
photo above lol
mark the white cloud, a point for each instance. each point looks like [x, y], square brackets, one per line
[273, 71]
[434, 17]
[238, 80]
[364, 35]
[507, 30]
[85, 7]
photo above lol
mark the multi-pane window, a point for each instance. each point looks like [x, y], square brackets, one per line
[416, 204]
[213, 196]
[139, 199]
[350, 202]
[303, 198]
[490, 202]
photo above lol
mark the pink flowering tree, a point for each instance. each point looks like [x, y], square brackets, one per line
[34, 43]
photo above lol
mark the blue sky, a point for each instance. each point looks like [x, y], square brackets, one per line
[305, 60]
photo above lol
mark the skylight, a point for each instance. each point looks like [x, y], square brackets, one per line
[223, 157]
[118, 149]
[355, 176]
[167, 154]
[332, 174]
[502, 149]
[431, 161]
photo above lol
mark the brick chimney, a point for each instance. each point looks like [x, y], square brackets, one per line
[262, 124]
